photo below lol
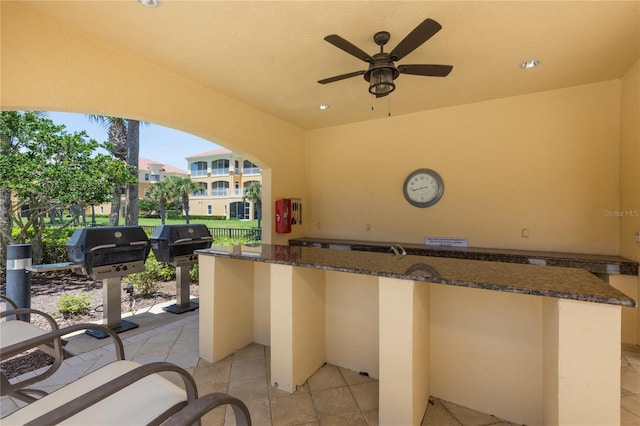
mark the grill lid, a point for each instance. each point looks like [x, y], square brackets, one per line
[124, 247]
[176, 243]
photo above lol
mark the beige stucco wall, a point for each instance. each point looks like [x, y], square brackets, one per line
[630, 163]
[546, 161]
[49, 67]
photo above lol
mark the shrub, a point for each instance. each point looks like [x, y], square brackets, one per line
[71, 305]
[145, 282]
[54, 245]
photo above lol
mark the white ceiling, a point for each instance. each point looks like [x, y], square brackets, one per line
[270, 54]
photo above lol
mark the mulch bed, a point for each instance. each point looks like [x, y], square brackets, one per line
[46, 289]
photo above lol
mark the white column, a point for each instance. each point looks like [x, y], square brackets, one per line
[581, 363]
[404, 351]
[226, 306]
[297, 325]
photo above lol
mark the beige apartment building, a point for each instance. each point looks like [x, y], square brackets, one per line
[149, 172]
[223, 177]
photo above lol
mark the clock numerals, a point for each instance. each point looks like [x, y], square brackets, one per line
[423, 188]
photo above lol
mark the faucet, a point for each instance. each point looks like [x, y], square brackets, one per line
[398, 250]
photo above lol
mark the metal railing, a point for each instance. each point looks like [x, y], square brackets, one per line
[249, 234]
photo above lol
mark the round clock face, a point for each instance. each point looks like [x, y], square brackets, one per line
[423, 188]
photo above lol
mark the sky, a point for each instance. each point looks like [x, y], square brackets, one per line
[158, 143]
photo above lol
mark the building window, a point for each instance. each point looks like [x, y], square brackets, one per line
[202, 192]
[220, 189]
[220, 168]
[248, 168]
[146, 177]
[199, 169]
[209, 209]
[155, 178]
[239, 210]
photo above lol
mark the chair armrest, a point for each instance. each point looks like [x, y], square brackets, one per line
[111, 387]
[9, 302]
[34, 342]
[19, 311]
[198, 408]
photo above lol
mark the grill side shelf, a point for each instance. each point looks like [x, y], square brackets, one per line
[62, 266]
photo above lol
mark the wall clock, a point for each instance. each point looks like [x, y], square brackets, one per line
[423, 188]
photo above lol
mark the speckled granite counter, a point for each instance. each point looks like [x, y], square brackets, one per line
[469, 331]
[602, 264]
[562, 283]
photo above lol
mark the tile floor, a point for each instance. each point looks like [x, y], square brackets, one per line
[332, 396]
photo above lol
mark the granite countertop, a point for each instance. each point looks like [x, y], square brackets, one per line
[603, 264]
[558, 282]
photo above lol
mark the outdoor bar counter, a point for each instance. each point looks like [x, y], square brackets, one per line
[528, 344]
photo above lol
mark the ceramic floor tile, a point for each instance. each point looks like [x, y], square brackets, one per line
[469, 417]
[631, 403]
[259, 410]
[327, 376]
[251, 351]
[371, 417]
[630, 379]
[249, 369]
[334, 402]
[354, 378]
[212, 372]
[628, 419]
[292, 410]
[366, 395]
[249, 389]
[348, 420]
[437, 415]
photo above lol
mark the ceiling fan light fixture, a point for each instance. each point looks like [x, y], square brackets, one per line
[381, 82]
[151, 3]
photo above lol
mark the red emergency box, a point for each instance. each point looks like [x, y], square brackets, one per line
[283, 215]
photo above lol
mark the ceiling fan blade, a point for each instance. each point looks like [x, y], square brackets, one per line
[351, 49]
[424, 69]
[341, 77]
[415, 38]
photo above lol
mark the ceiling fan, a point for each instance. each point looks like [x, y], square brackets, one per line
[382, 70]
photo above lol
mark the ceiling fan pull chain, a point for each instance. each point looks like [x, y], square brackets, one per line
[389, 107]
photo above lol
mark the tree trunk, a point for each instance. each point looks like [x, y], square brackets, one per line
[133, 152]
[162, 206]
[5, 225]
[185, 206]
[114, 215]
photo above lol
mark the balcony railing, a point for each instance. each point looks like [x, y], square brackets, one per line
[220, 172]
[251, 171]
[198, 173]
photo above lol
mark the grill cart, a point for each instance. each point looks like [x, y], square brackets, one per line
[108, 254]
[175, 244]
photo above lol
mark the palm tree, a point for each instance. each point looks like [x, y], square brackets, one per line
[117, 135]
[160, 193]
[133, 152]
[181, 187]
[253, 193]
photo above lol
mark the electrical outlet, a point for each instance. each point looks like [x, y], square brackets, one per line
[637, 237]
[524, 233]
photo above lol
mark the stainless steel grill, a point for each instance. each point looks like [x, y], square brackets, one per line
[108, 254]
[175, 244]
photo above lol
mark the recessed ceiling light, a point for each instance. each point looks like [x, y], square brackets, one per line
[323, 106]
[151, 3]
[530, 64]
